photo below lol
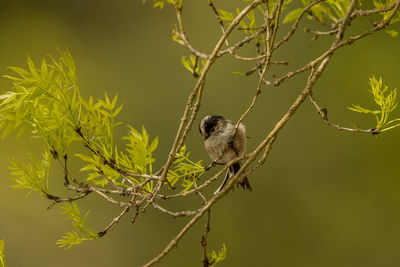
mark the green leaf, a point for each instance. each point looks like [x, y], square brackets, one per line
[31, 66]
[186, 64]
[214, 258]
[225, 15]
[83, 231]
[392, 33]
[154, 145]
[292, 15]
[85, 158]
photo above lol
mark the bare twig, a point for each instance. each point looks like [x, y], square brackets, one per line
[324, 115]
[296, 24]
[114, 221]
[184, 38]
[364, 13]
[320, 32]
[57, 199]
[206, 263]
[174, 213]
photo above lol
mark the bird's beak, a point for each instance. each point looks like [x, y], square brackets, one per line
[204, 133]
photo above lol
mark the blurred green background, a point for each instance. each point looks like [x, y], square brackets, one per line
[323, 198]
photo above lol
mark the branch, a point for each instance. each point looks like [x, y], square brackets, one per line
[365, 13]
[184, 38]
[114, 221]
[296, 24]
[324, 115]
[57, 199]
[206, 263]
[174, 214]
[270, 39]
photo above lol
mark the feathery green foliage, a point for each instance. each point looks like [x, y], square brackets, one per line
[83, 231]
[2, 254]
[386, 100]
[98, 123]
[32, 174]
[46, 99]
[185, 169]
[385, 15]
[214, 258]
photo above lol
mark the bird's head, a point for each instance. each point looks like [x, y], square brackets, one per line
[209, 125]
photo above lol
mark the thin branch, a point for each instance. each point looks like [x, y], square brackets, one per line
[364, 13]
[324, 115]
[184, 38]
[57, 199]
[246, 40]
[320, 32]
[174, 214]
[66, 181]
[296, 24]
[220, 22]
[114, 221]
[270, 39]
[206, 263]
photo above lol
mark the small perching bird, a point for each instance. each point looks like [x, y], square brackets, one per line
[222, 147]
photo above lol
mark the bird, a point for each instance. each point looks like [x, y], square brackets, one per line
[222, 147]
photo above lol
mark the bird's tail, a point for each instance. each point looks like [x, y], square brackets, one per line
[231, 172]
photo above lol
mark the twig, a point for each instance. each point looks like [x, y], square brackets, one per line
[174, 213]
[57, 199]
[320, 32]
[270, 39]
[184, 38]
[206, 263]
[114, 221]
[66, 181]
[220, 22]
[364, 13]
[296, 24]
[324, 115]
[239, 44]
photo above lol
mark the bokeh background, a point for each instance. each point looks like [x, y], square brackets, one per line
[323, 198]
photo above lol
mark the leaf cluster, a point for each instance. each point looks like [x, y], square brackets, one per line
[185, 170]
[137, 158]
[331, 10]
[98, 123]
[45, 99]
[386, 100]
[32, 174]
[385, 15]
[214, 257]
[83, 231]
[193, 64]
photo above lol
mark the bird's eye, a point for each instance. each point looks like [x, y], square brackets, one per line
[212, 130]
